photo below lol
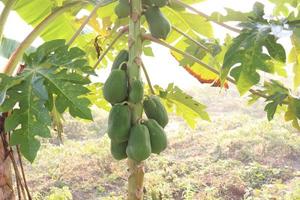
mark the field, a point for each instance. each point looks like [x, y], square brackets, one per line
[239, 155]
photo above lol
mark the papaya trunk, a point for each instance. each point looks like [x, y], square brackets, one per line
[6, 188]
[136, 169]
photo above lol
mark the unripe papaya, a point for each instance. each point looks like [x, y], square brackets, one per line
[121, 58]
[118, 150]
[154, 109]
[119, 122]
[136, 91]
[159, 26]
[139, 145]
[122, 10]
[116, 87]
[158, 136]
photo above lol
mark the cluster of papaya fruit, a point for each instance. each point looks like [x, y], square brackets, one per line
[136, 140]
[158, 24]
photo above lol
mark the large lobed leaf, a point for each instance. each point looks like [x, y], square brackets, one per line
[183, 104]
[52, 80]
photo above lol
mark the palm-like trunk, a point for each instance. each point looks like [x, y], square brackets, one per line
[6, 186]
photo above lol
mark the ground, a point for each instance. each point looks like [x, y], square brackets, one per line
[238, 155]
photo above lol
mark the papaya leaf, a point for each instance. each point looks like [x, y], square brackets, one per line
[294, 57]
[183, 104]
[8, 46]
[29, 96]
[293, 112]
[96, 96]
[245, 56]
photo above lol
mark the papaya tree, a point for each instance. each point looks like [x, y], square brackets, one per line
[38, 85]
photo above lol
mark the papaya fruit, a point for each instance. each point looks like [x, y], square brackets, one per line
[119, 123]
[136, 91]
[154, 109]
[122, 10]
[158, 137]
[120, 59]
[118, 150]
[139, 145]
[115, 88]
[159, 26]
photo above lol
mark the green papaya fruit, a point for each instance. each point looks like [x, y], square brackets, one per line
[158, 3]
[121, 58]
[159, 26]
[139, 145]
[118, 150]
[122, 10]
[119, 123]
[116, 87]
[158, 136]
[154, 109]
[136, 91]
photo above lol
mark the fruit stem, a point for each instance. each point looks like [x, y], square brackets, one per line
[136, 169]
[147, 78]
[4, 16]
[206, 66]
[16, 56]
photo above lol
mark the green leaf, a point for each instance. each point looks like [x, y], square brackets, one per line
[184, 105]
[29, 96]
[8, 46]
[276, 100]
[69, 93]
[293, 112]
[31, 118]
[96, 96]
[294, 57]
[246, 56]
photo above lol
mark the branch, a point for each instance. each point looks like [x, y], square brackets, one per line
[18, 53]
[206, 16]
[94, 11]
[192, 39]
[121, 32]
[4, 16]
[147, 78]
[206, 66]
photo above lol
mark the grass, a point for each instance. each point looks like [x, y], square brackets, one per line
[239, 155]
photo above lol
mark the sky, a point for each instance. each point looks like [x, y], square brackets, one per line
[162, 68]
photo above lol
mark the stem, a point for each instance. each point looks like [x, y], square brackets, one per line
[92, 14]
[206, 66]
[23, 174]
[192, 39]
[136, 169]
[206, 16]
[18, 53]
[4, 15]
[147, 78]
[121, 32]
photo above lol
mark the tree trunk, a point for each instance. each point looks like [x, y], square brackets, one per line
[6, 186]
[136, 169]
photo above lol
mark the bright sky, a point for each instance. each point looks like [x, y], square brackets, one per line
[162, 68]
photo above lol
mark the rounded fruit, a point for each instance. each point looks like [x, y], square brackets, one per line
[136, 91]
[159, 26]
[116, 87]
[118, 150]
[154, 109]
[139, 145]
[119, 123]
[158, 136]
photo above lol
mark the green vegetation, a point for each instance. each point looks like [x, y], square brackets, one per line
[239, 155]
